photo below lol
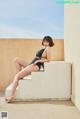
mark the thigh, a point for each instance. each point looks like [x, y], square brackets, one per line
[31, 68]
[21, 61]
[27, 70]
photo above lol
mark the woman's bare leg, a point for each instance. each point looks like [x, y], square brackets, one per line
[24, 72]
[19, 63]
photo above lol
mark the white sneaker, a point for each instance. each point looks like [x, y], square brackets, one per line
[27, 77]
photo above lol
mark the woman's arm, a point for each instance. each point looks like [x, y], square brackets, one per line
[48, 56]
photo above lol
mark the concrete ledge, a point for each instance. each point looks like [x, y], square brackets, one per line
[54, 83]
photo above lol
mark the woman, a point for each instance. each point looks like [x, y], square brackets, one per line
[42, 56]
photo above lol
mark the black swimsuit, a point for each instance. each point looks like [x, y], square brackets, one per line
[38, 57]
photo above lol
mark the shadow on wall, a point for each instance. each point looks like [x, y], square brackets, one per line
[26, 49]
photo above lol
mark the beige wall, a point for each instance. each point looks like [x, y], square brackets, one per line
[72, 47]
[26, 49]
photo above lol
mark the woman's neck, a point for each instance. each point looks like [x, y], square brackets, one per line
[46, 46]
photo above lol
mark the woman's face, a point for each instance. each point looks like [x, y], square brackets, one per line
[45, 43]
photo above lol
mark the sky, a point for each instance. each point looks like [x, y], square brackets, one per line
[31, 19]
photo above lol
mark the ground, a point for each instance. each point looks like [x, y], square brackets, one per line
[40, 109]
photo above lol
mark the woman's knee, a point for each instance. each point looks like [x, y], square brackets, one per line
[16, 59]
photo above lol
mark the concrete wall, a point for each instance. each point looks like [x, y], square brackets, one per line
[26, 49]
[72, 47]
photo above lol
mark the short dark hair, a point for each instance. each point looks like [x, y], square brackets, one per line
[48, 39]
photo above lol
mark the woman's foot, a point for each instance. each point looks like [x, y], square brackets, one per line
[8, 100]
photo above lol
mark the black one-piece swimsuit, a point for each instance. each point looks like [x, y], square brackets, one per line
[38, 57]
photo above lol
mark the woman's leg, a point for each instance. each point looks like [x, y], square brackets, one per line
[19, 63]
[24, 72]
